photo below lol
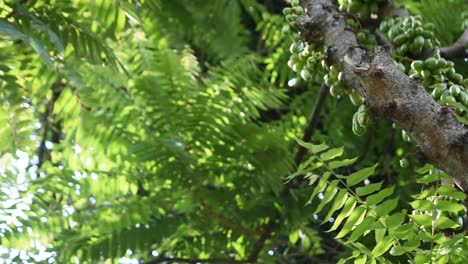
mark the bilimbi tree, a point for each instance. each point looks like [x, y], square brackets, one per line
[233, 131]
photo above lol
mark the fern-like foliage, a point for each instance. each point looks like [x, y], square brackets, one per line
[364, 213]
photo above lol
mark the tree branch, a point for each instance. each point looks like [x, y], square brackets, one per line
[388, 92]
[313, 120]
[458, 49]
[47, 123]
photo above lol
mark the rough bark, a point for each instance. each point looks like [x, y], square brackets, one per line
[457, 50]
[388, 92]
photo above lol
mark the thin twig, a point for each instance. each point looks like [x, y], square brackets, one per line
[300, 155]
[228, 223]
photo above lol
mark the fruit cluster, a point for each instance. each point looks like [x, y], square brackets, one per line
[304, 57]
[334, 80]
[409, 35]
[363, 8]
[293, 12]
[440, 78]
[364, 37]
[305, 60]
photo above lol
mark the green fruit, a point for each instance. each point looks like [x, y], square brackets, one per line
[295, 57]
[298, 66]
[428, 44]
[294, 2]
[403, 48]
[465, 83]
[334, 90]
[384, 27]
[419, 30]
[393, 32]
[410, 33]
[425, 74]
[305, 74]
[327, 80]
[404, 163]
[340, 76]
[428, 34]
[419, 41]
[400, 39]
[417, 65]
[454, 90]
[446, 97]
[430, 63]
[429, 26]
[355, 98]
[463, 98]
[457, 78]
[298, 10]
[287, 11]
[439, 77]
[415, 48]
[286, 30]
[438, 89]
[291, 18]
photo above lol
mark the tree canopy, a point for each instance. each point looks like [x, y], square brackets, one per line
[233, 131]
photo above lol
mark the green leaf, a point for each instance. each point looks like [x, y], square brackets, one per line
[449, 206]
[6, 28]
[332, 153]
[403, 231]
[361, 260]
[361, 229]
[294, 175]
[360, 175]
[321, 185]
[394, 220]
[444, 222]
[397, 250]
[355, 218]
[380, 196]
[368, 189]
[422, 259]
[382, 246]
[379, 234]
[424, 220]
[426, 193]
[341, 163]
[386, 207]
[451, 191]
[39, 48]
[293, 237]
[328, 195]
[424, 169]
[347, 210]
[314, 148]
[423, 205]
[429, 178]
[312, 178]
[337, 204]
[411, 245]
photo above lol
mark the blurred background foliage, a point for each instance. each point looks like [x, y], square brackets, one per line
[148, 130]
